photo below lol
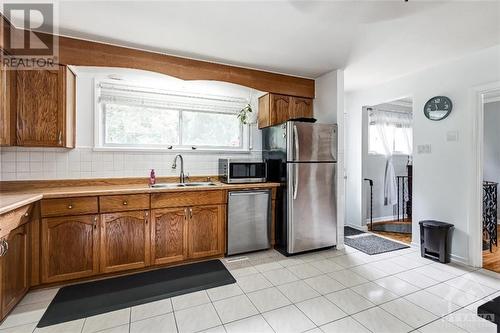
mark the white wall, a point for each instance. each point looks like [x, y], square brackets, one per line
[329, 109]
[491, 166]
[443, 180]
[19, 163]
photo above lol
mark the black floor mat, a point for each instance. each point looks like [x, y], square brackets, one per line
[371, 244]
[348, 231]
[93, 298]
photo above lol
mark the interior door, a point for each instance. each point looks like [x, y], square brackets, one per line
[309, 142]
[312, 211]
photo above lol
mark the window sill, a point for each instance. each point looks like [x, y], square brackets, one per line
[183, 151]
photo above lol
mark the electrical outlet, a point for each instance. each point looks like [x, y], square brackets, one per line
[452, 136]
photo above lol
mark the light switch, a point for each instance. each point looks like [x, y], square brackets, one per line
[424, 149]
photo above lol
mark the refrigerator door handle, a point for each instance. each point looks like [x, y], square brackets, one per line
[296, 141]
[296, 180]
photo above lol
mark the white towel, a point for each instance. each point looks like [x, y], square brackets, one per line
[390, 187]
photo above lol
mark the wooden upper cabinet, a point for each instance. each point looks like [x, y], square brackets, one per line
[275, 109]
[125, 241]
[7, 117]
[69, 247]
[206, 231]
[300, 108]
[45, 103]
[279, 105]
[15, 267]
[168, 235]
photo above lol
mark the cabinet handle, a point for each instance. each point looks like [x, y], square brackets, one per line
[60, 137]
[70, 206]
[190, 213]
[185, 214]
[26, 214]
[125, 202]
[95, 222]
[2, 249]
[6, 247]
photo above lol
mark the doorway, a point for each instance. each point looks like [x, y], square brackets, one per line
[491, 180]
[388, 169]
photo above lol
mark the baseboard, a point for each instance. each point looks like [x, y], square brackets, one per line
[383, 218]
[453, 258]
[459, 260]
[359, 227]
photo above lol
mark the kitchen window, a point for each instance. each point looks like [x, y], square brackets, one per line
[137, 118]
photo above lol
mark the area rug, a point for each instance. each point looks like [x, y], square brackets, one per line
[93, 298]
[369, 243]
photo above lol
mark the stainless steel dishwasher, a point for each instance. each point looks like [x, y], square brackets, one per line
[249, 216]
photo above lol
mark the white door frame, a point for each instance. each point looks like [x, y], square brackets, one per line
[475, 226]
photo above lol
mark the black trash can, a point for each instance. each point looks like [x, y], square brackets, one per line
[435, 240]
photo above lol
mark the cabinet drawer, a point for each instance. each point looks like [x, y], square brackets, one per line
[69, 206]
[188, 198]
[13, 219]
[116, 203]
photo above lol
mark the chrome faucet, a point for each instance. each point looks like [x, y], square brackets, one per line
[182, 178]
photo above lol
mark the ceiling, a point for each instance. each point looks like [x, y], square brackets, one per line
[374, 41]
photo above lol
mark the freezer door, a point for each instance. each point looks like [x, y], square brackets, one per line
[248, 227]
[312, 212]
[309, 142]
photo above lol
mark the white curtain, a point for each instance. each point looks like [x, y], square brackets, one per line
[395, 134]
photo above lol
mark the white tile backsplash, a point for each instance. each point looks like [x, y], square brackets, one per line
[20, 163]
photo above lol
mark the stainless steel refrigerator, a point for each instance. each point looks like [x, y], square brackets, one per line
[303, 157]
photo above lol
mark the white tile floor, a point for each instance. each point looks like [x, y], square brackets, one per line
[329, 291]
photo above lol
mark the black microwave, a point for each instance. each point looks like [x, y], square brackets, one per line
[242, 171]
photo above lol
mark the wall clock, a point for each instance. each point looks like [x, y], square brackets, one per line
[438, 108]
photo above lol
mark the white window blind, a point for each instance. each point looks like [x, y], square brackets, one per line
[144, 118]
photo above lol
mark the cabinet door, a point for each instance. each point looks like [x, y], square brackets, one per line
[45, 108]
[168, 235]
[15, 268]
[206, 232]
[69, 247]
[125, 241]
[300, 107]
[279, 108]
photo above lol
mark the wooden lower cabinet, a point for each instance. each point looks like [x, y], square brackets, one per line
[168, 235]
[206, 231]
[69, 247]
[125, 241]
[15, 268]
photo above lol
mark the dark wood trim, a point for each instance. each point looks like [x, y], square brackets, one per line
[78, 52]
[86, 53]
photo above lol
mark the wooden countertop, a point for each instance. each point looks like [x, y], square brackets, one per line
[10, 200]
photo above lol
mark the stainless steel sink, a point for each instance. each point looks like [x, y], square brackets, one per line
[177, 185]
[200, 184]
